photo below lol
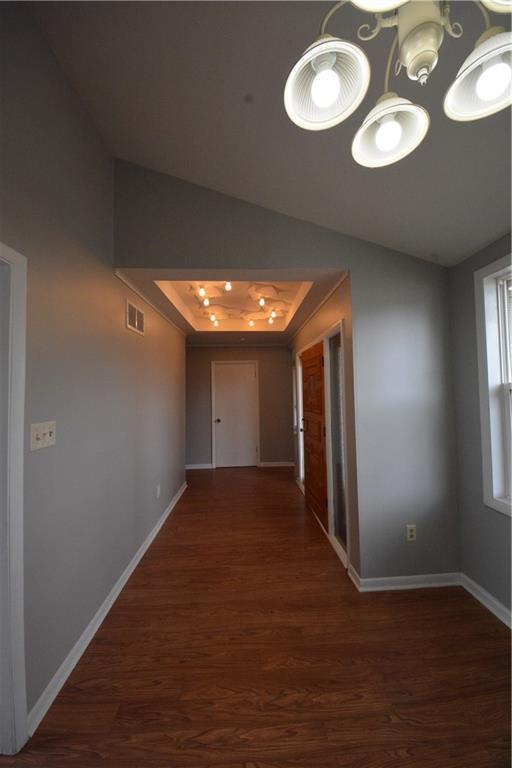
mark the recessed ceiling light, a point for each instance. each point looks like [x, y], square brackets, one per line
[273, 313]
[261, 302]
[206, 302]
[251, 323]
[228, 286]
[212, 318]
[216, 323]
[270, 320]
[202, 292]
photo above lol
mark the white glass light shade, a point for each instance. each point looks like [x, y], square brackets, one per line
[412, 125]
[378, 6]
[481, 88]
[498, 6]
[314, 98]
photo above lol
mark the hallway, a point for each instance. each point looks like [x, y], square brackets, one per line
[240, 642]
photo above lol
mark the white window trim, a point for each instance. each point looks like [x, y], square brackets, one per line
[495, 451]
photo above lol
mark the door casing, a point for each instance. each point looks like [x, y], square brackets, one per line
[13, 702]
[337, 327]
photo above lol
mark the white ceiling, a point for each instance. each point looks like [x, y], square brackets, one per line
[195, 90]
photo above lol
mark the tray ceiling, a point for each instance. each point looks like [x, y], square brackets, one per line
[246, 306]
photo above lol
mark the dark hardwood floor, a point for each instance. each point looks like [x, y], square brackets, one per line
[239, 642]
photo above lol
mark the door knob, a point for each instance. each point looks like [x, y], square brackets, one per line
[217, 421]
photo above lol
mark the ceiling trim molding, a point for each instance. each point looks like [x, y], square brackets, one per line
[320, 305]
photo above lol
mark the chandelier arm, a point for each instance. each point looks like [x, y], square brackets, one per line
[388, 65]
[485, 14]
[366, 33]
[454, 29]
[329, 15]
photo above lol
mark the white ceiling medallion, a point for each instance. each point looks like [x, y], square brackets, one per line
[332, 76]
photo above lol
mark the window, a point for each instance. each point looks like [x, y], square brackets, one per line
[493, 293]
[504, 289]
[504, 286]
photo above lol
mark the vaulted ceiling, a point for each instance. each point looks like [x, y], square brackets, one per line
[194, 89]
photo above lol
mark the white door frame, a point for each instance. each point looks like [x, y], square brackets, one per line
[13, 704]
[324, 338]
[342, 552]
[300, 414]
[256, 371]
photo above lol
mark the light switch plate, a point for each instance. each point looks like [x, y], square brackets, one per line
[42, 435]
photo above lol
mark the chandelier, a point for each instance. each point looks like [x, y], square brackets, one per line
[331, 78]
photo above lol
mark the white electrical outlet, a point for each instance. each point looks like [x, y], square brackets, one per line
[42, 435]
[158, 491]
[410, 532]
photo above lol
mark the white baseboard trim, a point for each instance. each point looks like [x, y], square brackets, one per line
[199, 466]
[427, 580]
[276, 464]
[46, 699]
[335, 544]
[420, 581]
[483, 596]
[353, 576]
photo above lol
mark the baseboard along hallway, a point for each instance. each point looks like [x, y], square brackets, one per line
[240, 641]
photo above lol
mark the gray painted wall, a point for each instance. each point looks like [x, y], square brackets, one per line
[339, 307]
[275, 377]
[404, 407]
[118, 398]
[484, 532]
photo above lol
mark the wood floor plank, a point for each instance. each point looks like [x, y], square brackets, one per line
[239, 642]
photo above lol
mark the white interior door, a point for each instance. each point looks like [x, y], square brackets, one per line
[235, 414]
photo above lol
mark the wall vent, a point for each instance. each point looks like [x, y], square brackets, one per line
[134, 318]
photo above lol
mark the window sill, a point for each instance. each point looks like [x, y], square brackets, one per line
[501, 504]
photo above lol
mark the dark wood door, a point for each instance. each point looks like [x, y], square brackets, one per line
[313, 425]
